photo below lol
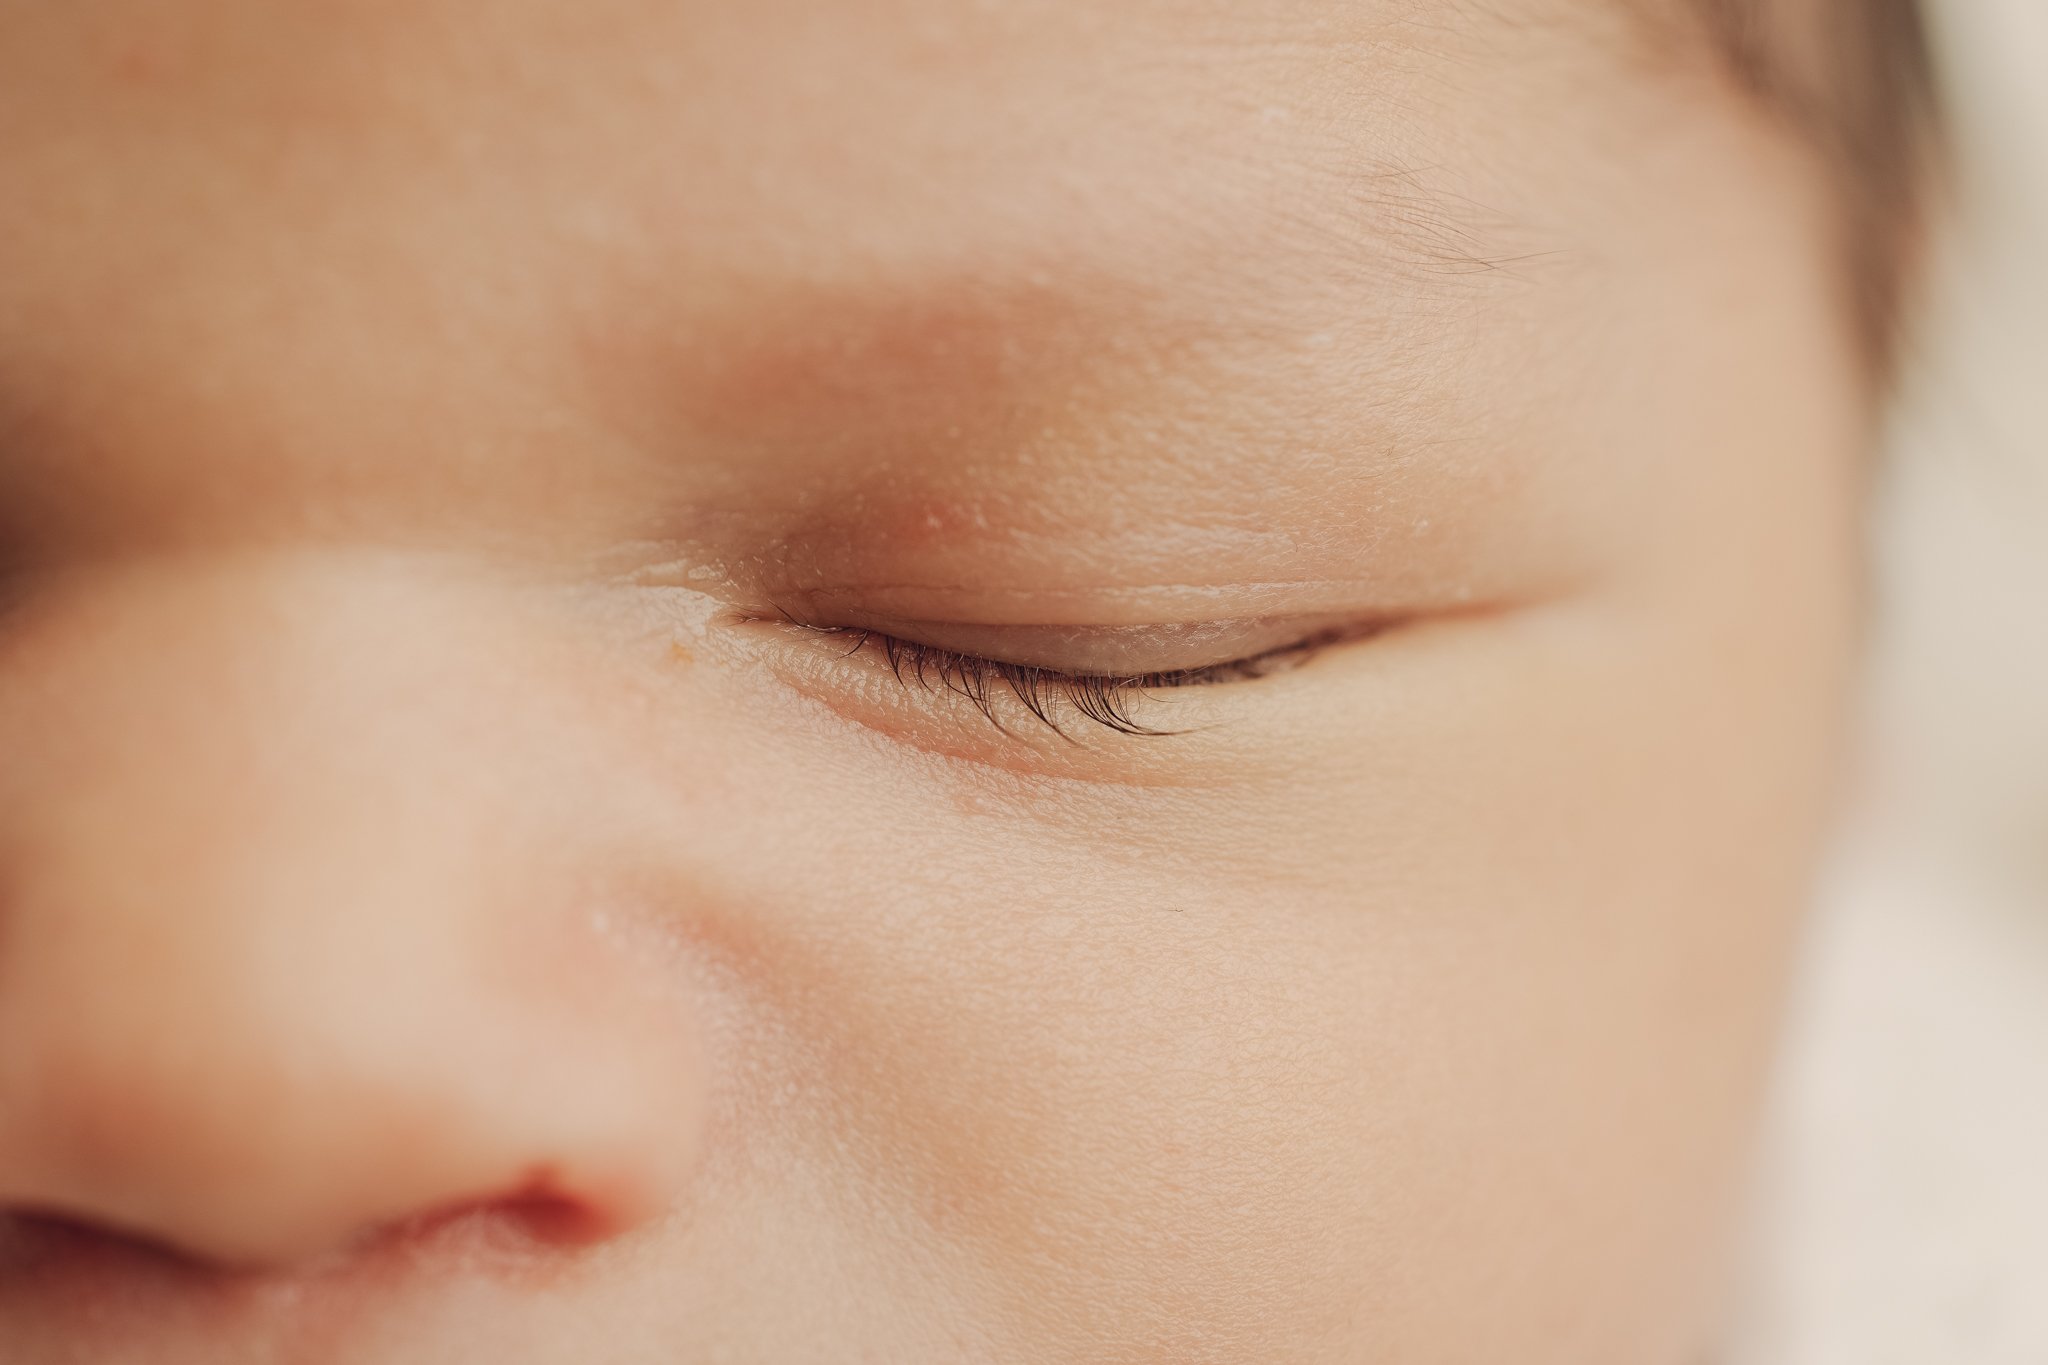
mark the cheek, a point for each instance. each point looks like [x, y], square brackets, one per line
[1434, 1037]
[1467, 1008]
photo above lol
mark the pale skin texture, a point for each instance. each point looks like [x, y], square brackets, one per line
[439, 923]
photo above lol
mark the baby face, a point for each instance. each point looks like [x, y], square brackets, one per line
[905, 681]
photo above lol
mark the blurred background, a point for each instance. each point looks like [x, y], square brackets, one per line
[1904, 1217]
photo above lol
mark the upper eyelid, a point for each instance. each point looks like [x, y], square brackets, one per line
[1169, 651]
[1119, 606]
[1162, 677]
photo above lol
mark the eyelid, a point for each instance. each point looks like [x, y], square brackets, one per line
[1111, 651]
[1113, 700]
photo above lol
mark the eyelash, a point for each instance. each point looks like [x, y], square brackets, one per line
[1102, 699]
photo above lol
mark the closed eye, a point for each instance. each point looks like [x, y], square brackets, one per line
[1052, 696]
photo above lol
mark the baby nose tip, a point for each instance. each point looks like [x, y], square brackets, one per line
[223, 1174]
[242, 1114]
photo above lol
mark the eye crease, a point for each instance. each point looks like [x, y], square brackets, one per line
[1052, 695]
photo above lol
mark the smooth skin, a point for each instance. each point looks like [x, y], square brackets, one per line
[458, 905]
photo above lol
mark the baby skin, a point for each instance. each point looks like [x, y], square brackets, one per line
[908, 681]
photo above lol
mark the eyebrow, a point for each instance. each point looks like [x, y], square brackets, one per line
[985, 406]
[1002, 331]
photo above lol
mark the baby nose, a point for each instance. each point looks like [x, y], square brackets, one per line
[286, 974]
[260, 1097]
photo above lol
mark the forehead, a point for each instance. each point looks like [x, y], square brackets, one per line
[793, 138]
[941, 90]
[313, 237]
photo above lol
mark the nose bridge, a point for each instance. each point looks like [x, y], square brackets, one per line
[226, 673]
[290, 939]
[247, 770]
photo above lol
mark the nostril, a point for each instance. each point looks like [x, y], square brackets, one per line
[533, 1219]
[507, 1232]
[555, 1220]
[504, 1224]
